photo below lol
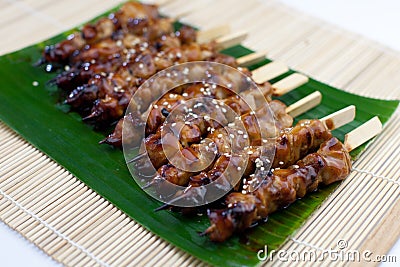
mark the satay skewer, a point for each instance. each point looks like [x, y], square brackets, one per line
[264, 73]
[302, 106]
[331, 163]
[287, 152]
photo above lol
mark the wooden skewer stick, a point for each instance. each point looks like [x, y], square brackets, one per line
[205, 36]
[230, 40]
[251, 59]
[362, 133]
[289, 83]
[269, 71]
[304, 104]
[340, 118]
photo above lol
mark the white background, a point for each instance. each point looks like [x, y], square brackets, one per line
[377, 20]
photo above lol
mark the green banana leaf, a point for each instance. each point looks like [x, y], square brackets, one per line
[30, 107]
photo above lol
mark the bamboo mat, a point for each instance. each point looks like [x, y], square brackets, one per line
[77, 227]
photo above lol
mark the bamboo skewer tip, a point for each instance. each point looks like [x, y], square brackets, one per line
[210, 34]
[230, 40]
[362, 133]
[340, 117]
[305, 104]
[289, 83]
[269, 72]
[251, 59]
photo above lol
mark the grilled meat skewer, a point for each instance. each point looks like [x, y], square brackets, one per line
[290, 146]
[282, 187]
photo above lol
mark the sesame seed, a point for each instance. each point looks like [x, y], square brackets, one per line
[239, 168]
[231, 135]
[244, 192]
[245, 136]
[231, 124]
[173, 124]
[240, 132]
[185, 94]
[223, 110]
[35, 83]
[219, 135]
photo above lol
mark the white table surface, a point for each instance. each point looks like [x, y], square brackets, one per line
[377, 20]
